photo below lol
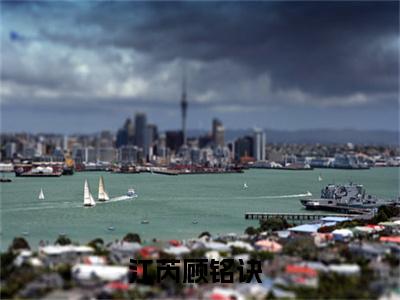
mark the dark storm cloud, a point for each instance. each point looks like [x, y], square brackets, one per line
[256, 57]
[326, 49]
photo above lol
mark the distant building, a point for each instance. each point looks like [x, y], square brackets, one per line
[128, 154]
[184, 106]
[244, 147]
[205, 141]
[141, 132]
[161, 147]
[125, 135]
[106, 154]
[259, 144]
[10, 150]
[105, 139]
[218, 133]
[174, 140]
[90, 155]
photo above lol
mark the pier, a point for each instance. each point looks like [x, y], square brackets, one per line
[294, 218]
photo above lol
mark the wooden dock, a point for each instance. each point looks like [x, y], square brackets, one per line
[294, 218]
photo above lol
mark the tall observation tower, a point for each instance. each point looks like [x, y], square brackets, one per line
[184, 105]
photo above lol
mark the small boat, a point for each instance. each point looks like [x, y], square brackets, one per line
[131, 193]
[41, 195]
[111, 228]
[102, 196]
[308, 194]
[319, 178]
[195, 222]
[5, 179]
[245, 186]
[145, 221]
[25, 233]
[88, 200]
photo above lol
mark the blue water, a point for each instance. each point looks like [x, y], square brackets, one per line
[170, 203]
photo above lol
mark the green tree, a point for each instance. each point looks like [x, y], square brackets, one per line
[63, 240]
[132, 237]
[205, 233]
[303, 247]
[251, 230]
[19, 243]
[273, 224]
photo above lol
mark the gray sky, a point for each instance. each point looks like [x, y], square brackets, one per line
[86, 66]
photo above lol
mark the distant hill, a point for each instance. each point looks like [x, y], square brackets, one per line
[322, 136]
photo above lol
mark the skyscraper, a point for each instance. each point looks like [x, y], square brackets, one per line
[184, 105]
[259, 144]
[141, 132]
[244, 147]
[125, 135]
[218, 133]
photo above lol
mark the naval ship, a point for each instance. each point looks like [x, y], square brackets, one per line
[339, 197]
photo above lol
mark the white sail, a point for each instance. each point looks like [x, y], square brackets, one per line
[41, 194]
[103, 196]
[245, 186]
[319, 178]
[87, 196]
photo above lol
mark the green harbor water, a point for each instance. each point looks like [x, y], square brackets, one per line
[170, 203]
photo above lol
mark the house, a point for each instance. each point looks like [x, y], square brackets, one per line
[82, 272]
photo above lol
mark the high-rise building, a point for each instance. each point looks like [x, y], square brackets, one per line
[174, 140]
[244, 147]
[141, 132]
[259, 144]
[218, 133]
[10, 149]
[125, 135]
[106, 154]
[152, 136]
[184, 105]
[128, 154]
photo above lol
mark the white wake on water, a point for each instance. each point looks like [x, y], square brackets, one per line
[119, 199]
[279, 196]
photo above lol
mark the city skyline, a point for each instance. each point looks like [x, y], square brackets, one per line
[86, 67]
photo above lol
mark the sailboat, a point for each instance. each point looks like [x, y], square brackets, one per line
[245, 186]
[41, 195]
[88, 200]
[319, 178]
[103, 196]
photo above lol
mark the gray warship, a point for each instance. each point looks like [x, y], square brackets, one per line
[341, 197]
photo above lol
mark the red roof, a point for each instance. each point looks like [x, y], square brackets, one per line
[217, 296]
[390, 239]
[174, 243]
[117, 285]
[148, 251]
[293, 269]
[375, 226]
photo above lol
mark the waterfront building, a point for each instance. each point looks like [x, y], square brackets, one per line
[128, 154]
[161, 147]
[141, 132]
[244, 147]
[174, 140]
[125, 135]
[259, 144]
[90, 155]
[205, 141]
[152, 136]
[29, 152]
[184, 106]
[10, 150]
[106, 154]
[218, 133]
[105, 139]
